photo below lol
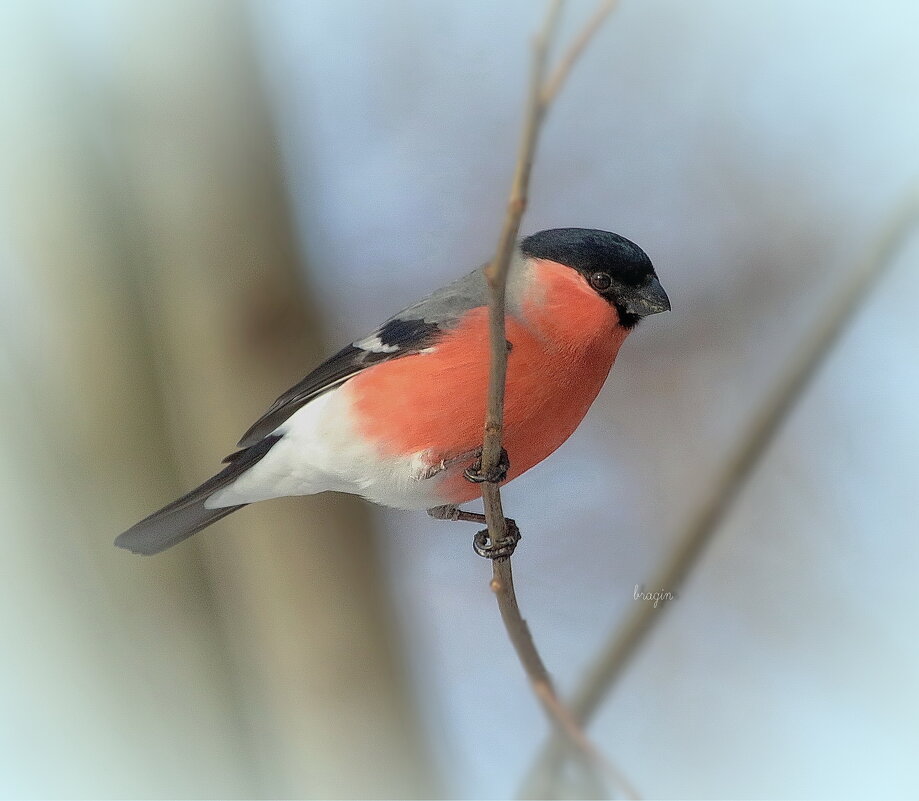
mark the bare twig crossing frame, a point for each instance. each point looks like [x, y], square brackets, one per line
[541, 93]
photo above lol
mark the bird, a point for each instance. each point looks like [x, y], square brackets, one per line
[397, 416]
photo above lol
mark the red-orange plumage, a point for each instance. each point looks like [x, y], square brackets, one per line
[435, 402]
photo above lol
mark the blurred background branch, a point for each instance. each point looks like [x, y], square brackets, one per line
[226, 309]
[806, 361]
[179, 312]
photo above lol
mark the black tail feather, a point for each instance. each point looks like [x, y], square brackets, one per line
[188, 515]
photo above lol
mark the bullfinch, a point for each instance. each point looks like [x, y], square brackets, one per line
[397, 416]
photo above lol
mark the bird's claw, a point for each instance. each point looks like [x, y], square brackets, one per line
[484, 547]
[475, 474]
[447, 512]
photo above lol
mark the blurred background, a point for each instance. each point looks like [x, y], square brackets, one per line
[200, 199]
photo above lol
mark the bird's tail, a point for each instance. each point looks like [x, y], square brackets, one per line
[188, 515]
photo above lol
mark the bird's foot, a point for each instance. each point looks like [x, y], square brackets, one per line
[477, 476]
[481, 543]
[448, 512]
[431, 470]
[453, 512]
[484, 547]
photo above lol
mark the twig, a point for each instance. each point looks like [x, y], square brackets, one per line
[496, 276]
[539, 96]
[738, 469]
[571, 732]
[552, 86]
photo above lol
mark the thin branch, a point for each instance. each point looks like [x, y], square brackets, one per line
[496, 272]
[554, 84]
[735, 476]
[502, 582]
[569, 730]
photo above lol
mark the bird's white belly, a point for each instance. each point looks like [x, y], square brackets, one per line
[320, 451]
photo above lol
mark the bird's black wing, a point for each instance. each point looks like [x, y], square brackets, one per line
[189, 514]
[395, 338]
[410, 331]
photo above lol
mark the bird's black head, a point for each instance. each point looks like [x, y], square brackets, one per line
[615, 268]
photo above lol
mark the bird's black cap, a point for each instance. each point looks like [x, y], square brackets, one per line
[615, 267]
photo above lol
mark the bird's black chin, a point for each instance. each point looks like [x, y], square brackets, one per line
[627, 319]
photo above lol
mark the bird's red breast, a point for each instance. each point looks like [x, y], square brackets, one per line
[434, 403]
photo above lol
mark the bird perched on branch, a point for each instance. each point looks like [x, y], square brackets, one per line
[397, 416]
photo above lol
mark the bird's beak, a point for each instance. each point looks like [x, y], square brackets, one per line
[647, 299]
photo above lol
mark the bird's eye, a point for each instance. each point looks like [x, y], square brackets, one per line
[601, 281]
